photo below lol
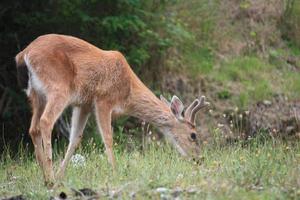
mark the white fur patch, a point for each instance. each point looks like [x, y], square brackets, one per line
[27, 91]
[79, 119]
[33, 80]
[75, 123]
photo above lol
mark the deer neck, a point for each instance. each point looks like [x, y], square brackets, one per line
[146, 106]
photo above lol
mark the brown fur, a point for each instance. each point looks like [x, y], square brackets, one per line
[74, 72]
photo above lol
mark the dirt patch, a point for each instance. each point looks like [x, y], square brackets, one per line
[253, 22]
[279, 117]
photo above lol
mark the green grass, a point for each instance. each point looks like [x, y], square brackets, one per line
[248, 75]
[257, 170]
[247, 78]
[200, 61]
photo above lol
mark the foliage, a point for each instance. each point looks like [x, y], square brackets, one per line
[139, 29]
[291, 22]
[250, 74]
[128, 26]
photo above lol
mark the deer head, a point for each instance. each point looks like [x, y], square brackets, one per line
[182, 130]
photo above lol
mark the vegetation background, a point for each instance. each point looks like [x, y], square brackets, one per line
[236, 52]
[244, 55]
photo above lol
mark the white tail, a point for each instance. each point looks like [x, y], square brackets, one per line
[58, 71]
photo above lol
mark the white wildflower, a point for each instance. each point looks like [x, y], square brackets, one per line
[78, 160]
[220, 125]
[179, 176]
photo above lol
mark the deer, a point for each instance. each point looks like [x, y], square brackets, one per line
[57, 71]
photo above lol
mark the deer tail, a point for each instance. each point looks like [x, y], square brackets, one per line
[22, 70]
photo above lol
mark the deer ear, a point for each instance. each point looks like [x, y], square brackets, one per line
[163, 99]
[176, 107]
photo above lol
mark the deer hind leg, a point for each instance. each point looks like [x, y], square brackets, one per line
[54, 107]
[103, 118]
[38, 105]
[79, 118]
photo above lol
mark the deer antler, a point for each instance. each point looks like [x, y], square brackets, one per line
[192, 110]
[188, 111]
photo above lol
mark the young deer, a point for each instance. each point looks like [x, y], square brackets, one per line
[58, 71]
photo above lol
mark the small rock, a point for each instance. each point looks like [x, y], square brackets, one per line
[290, 129]
[267, 102]
[162, 190]
[114, 194]
[291, 60]
[85, 192]
[164, 196]
[19, 197]
[192, 190]
[132, 195]
[176, 192]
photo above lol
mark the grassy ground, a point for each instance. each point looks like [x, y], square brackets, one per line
[221, 52]
[257, 170]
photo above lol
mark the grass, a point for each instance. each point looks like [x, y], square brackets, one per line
[249, 75]
[256, 170]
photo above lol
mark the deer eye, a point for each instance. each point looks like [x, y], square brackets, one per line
[193, 136]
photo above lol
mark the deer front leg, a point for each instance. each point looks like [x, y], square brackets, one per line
[103, 117]
[54, 107]
[79, 118]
